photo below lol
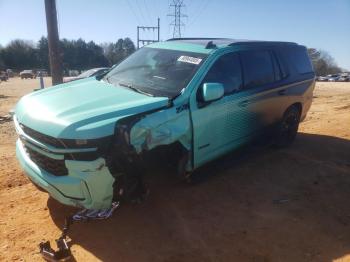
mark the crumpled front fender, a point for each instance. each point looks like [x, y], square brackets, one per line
[162, 128]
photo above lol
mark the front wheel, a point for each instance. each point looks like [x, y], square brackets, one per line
[288, 128]
[182, 173]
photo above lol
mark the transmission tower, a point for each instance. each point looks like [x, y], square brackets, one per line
[177, 23]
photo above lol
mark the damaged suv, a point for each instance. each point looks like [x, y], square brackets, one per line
[84, 142]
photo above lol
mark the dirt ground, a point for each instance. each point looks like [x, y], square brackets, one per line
[264, 205]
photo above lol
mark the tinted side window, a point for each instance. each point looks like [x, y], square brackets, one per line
[257, 68]
[226, 70]
[276, 67]
[299, 58]
[283, 69]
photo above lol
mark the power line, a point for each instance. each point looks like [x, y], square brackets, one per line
[147, 12]
[132, 10]
[200, 10]
[140, 10]
[177, 23]
[157, 9]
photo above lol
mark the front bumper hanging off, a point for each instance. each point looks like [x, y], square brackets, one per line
[88, 184]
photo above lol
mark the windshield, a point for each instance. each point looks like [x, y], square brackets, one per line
[157, 72]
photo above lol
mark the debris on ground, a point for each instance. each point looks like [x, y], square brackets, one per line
[6, 118]
[92, 214]
[63, 252]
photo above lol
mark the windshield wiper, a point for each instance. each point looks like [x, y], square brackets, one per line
[130, 86]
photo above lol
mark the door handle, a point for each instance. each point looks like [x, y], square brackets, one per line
[282, 92]
[243, 103]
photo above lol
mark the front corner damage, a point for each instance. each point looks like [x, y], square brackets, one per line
[96, 182]
[141, 139]
[161, 128]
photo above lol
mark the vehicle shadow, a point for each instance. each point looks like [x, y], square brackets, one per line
[260, 204]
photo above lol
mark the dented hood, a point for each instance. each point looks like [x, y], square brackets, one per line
[84, 109]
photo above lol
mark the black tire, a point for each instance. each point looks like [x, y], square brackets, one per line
[288, 128]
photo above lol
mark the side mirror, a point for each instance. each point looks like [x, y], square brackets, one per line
[212, 91]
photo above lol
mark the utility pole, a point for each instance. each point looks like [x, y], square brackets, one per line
[148, 41]
[54, 45]
[177, 5]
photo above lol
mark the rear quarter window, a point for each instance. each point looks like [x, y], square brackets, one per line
[299, 59]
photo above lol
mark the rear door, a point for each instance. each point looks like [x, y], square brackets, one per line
[251, 102]
[263, 81]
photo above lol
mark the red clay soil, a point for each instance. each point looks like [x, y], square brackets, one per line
[259, 205]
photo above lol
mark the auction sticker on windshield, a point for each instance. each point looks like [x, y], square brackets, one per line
[189, 59]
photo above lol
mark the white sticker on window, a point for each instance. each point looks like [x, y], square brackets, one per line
[189, 59]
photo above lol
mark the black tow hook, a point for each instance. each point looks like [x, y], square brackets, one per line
[63, 253]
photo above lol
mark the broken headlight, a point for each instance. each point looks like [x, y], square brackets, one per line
[101, 144]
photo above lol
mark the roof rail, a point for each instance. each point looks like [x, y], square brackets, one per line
[210, 43]
[197, 38]
[262, 43]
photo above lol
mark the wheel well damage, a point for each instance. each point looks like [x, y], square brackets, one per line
[143, 141]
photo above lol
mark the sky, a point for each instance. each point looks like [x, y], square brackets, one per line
[322, 24]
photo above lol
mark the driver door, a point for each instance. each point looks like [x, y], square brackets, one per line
[221, 125]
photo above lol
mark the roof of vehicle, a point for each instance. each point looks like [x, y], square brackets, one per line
[206, 45]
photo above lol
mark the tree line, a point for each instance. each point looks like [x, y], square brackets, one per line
[323, 62]
[80, 55]
[76, 54]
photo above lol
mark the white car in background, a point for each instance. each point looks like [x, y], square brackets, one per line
[88, 73]
[333, 78]
[322, 78]
[27, 74]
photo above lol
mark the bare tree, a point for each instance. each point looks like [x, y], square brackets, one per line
[323, 62]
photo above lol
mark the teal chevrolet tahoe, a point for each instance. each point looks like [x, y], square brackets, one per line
[192, 99]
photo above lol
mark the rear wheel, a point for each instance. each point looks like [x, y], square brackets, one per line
[288, 128]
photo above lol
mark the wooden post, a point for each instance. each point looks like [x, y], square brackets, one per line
[54, 45]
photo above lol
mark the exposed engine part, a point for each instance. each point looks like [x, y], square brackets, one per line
[130, 187]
